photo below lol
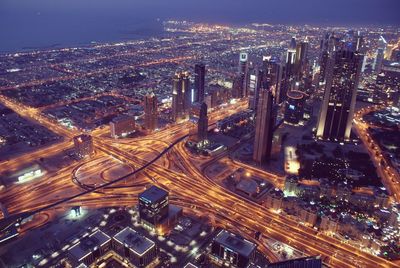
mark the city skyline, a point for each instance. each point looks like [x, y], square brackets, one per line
[201, 143]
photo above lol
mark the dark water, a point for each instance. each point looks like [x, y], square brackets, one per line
[27, 24]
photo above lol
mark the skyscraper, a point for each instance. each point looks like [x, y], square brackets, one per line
[180, 95]
[264, 126]
[380, 54]
[273, 75]
[289, 71]
[202, 124]
[150, 112]
[301, 58]
[327, 47]
[255, 78]
[342, 78]
[243, 72]
[199, 82]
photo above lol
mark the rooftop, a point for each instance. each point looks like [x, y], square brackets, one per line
[88, 244]
[236, 243]
[134, 241]
[153, 194]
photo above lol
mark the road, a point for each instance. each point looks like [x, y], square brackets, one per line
[188, 183]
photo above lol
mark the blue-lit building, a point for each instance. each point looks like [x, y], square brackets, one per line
[294, 107]
[153, 206]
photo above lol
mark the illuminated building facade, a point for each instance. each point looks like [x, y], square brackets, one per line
[342, 79]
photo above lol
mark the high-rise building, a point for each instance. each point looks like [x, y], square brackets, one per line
[243, 72]
[153, 206]
[255, 79]
[342, 78]
[180, 95]
[273, 76]
[328, 45]
[301, 64]
[150, 112]
[83, 145]
[264, 126]
[380, 54]
[122, 126]
[199, 82]
[289, 71]
[233, 250]
[202, 124]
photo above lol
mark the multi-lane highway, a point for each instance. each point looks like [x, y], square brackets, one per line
[187, 183]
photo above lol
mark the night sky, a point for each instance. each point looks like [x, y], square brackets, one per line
[47, 22]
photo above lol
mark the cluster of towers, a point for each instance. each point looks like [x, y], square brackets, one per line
[341, 64]
[183, 98]
[281, 83]
[288, 81]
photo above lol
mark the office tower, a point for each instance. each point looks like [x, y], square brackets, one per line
[342, 78]
[358, 42]
[199, 82]
[380, 54]
[153, 206]
[202, 124]
[301, 64]
[150, 112]
[255, 79]
[288, 71]
[180, 95]
[122, 126]
[294, 108]
[243, 72]
[83, 145]
[264, 126]
[233, 249]
[328, 45]
[273, 76]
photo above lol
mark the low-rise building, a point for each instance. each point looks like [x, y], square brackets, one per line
[232, 250]
[122, 126]
[88, 249]
[139, 250]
